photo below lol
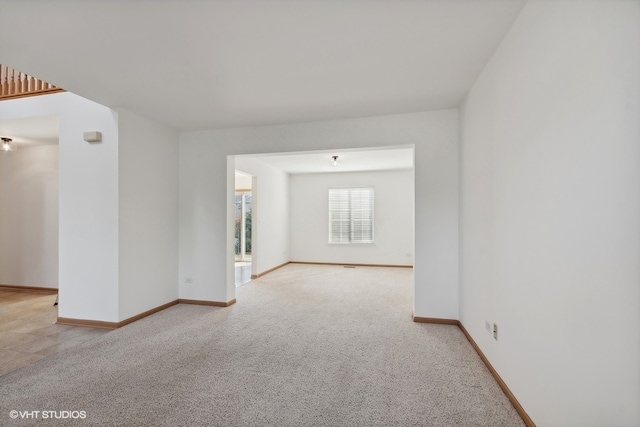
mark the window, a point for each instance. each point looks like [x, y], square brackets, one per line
[243, 215]
[351, 215]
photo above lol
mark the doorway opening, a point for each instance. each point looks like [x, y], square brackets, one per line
[243, 212]
[29, 203]
[292, 225]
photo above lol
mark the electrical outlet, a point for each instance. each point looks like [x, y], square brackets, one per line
[495, 332]
[487, 326]
[188, 280]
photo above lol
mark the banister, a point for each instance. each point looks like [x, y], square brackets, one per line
[16, 84]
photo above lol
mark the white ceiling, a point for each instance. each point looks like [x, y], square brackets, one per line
[392, 158]
[197, 64]
[40, 130]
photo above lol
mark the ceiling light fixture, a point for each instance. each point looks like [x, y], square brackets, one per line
[334, 161]
[7, 144]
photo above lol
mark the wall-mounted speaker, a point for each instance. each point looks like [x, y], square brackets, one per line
[93, 136]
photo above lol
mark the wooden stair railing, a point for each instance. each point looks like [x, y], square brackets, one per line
[15, 84]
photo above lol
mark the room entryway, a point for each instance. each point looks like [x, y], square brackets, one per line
[243, 210]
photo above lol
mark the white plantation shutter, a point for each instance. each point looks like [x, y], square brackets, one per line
[351, 215]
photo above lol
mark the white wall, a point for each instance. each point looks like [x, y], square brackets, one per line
[88, 202]
[393, 218]
[148, 214]
[29, 216]
[117, 210]
[550, 201]
[270, 220]
[243, 182]
[206, 183]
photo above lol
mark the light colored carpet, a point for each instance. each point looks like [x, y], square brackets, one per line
[304, 345]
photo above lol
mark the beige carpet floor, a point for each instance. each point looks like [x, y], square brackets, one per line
[304, 345]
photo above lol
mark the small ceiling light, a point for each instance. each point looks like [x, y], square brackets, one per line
[7, 144]
[334, 161]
